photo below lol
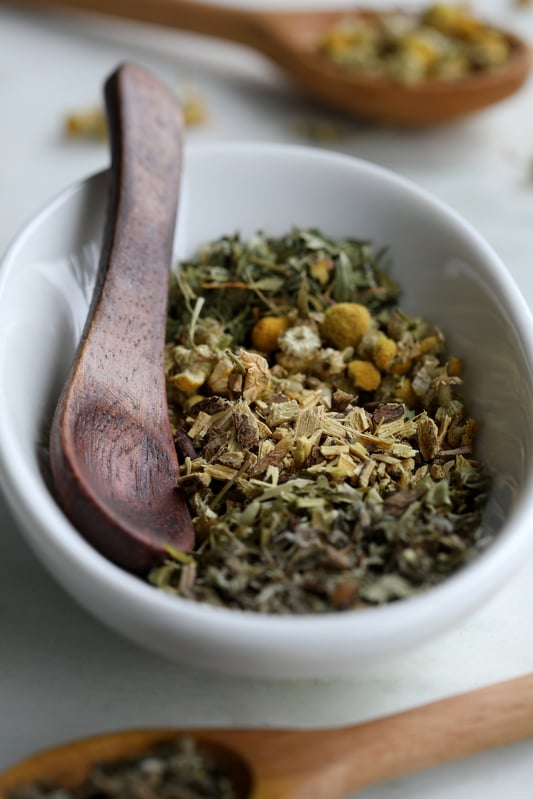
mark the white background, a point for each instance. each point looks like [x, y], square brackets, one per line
[62, 674]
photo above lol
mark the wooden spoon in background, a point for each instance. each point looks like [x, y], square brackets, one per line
[290, 38]
[112, 453]
[318, 764]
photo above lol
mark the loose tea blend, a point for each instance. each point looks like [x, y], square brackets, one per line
[325, 450]
[442, 42]
[174, 769]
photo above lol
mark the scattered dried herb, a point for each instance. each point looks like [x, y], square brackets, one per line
[174, 769]
[325, 451]
[442, 42]
[91, 123]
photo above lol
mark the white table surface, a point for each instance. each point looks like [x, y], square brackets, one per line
[62, 674]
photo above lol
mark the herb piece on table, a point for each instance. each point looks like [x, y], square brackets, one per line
[325, 450]
[90, 123]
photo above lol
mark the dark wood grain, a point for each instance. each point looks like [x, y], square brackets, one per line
[289, 39]
[112, 455]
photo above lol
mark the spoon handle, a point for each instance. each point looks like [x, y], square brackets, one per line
[330, 764]
[445, 731]
[145, 132]
[235, 24]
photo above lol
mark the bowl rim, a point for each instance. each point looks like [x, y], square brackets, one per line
[368, 626]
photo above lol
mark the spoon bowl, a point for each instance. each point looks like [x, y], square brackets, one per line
[324, 764]
[290, 40]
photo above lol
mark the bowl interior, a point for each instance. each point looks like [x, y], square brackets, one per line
[448, 275]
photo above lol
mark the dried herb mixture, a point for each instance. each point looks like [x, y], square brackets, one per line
[442, 42]
[325, 450]
[174, 769]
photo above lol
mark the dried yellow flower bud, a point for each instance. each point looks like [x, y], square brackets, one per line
[402, 367]
[420, 45]
[189, 380]
[455, 366]
[364, 375]
[266, 332]
[193, 109]
[404, 392]
[335, 42]
[192, 400]
[452, 20]
[428, 343]
[384, 352]
[90, 123]
[490, 49]
[345, 324]
[320, 270]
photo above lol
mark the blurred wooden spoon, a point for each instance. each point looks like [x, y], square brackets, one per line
[112, 453]
[322, 764]
[289, 39]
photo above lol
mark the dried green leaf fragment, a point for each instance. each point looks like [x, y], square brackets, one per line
[178, 768]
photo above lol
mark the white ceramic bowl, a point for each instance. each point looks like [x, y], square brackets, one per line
[449, 275]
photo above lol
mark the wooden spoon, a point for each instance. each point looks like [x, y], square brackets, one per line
[112, 454]
[290, 38]
[319, 764]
